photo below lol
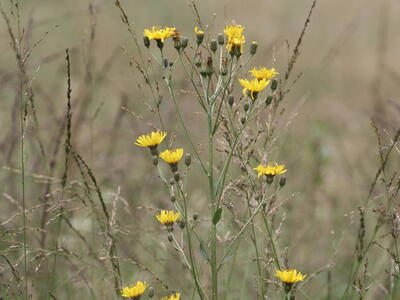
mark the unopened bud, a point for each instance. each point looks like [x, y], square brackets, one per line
[268, 101]
[146, 41]
[282, 181]
[199, 38]
[274, 84]
[155, 160]
[176, 176]
[172, 197]
[150, 294]
[188, 159]
[243, 120]
[270, 179]
[182, 224]
[253, 48]
[195, 216]
[184, 42]
[246, 106]
[170, 237]
[177, 44]
[165, 62]
[220, 39]
[213, 45]
[231, 99]
[160, 44]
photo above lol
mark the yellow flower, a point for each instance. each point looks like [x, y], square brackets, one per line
[151, 141]
[168, 218]
[234, 38]
[172, 156]
[270, 170]
[172, 297]
[254, 86]
[263, 73]
[290, 276]
[158, 33]
[198, 31]
[134, 291]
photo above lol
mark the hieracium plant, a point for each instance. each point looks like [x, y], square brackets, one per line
[240, 107]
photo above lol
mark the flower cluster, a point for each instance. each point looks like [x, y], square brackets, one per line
[261, 79]
[235, 39]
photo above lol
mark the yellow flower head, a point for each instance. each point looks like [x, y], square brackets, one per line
[198, 31]
[158, 33]
[270, 170]
[290, 276]
[172, 156]
[263, 73]
[172, 297]
[151, 140]
[134, 291]
[168, 218]
[253, 86]
[234, 37]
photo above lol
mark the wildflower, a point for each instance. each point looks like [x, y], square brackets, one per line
[290, 276]
[172, 297]
[263, 73]
[253, 87]
[151, 141]
[134, 291]
[270, 170]
[234, 39]
[172, 157]
[199, 35]
[168, 218]
[159, 34]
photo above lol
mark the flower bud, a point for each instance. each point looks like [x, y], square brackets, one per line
[243, 120]
[177, 44]
[155, 160]
[274, 84]
[184, 42]
[195, 216]
[282, 181]
[170, 237]
[220, 39]
[231, 99]
[268, 101]
[176, 176]
[213, 45]
[160, 44]
[188, 159]
[246, 106]
[182, 224]
[253, 48]
[165, 62]
[270, 179]
[172, 197]
[150, 294]
[199, 38]
[146, 41]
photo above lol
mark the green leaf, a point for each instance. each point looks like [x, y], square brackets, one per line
[217, 216]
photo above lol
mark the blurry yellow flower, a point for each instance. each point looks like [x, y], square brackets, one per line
[158, 33]
[234, 38]
[150, 140]
[270, 170]
[198, 31]
[134, 291]
[172, 297]
[168, 218]
[290, 276]
[263, 73]
[172, 156]
[254, 86]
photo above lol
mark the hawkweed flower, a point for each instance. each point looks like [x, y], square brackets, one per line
[151, 141]
[134, 291]
[175, 296]
[263, 73]
[289, 278]
[199, 35]
[172, 157]
[270, 171]
[168, 218]
[253, 87]
[234, 39]
[159, 34]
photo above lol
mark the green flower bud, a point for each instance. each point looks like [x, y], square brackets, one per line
[170, 237]
[182, 224]
[188, 159]
[165, 62]
[274, 84]
[155, 160]
[184, 42]
[282, 181]
[199, 38]
[160, 44]
[270, 179]
[269, 100]
[150, 293]
[231, 99]
[172, 197]
[246, 106]
[146, 41]
[220, 39]
[213, 45]
[243, 120]
[195, 216]
[177, 44]
[176, 176]
[253, 48]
